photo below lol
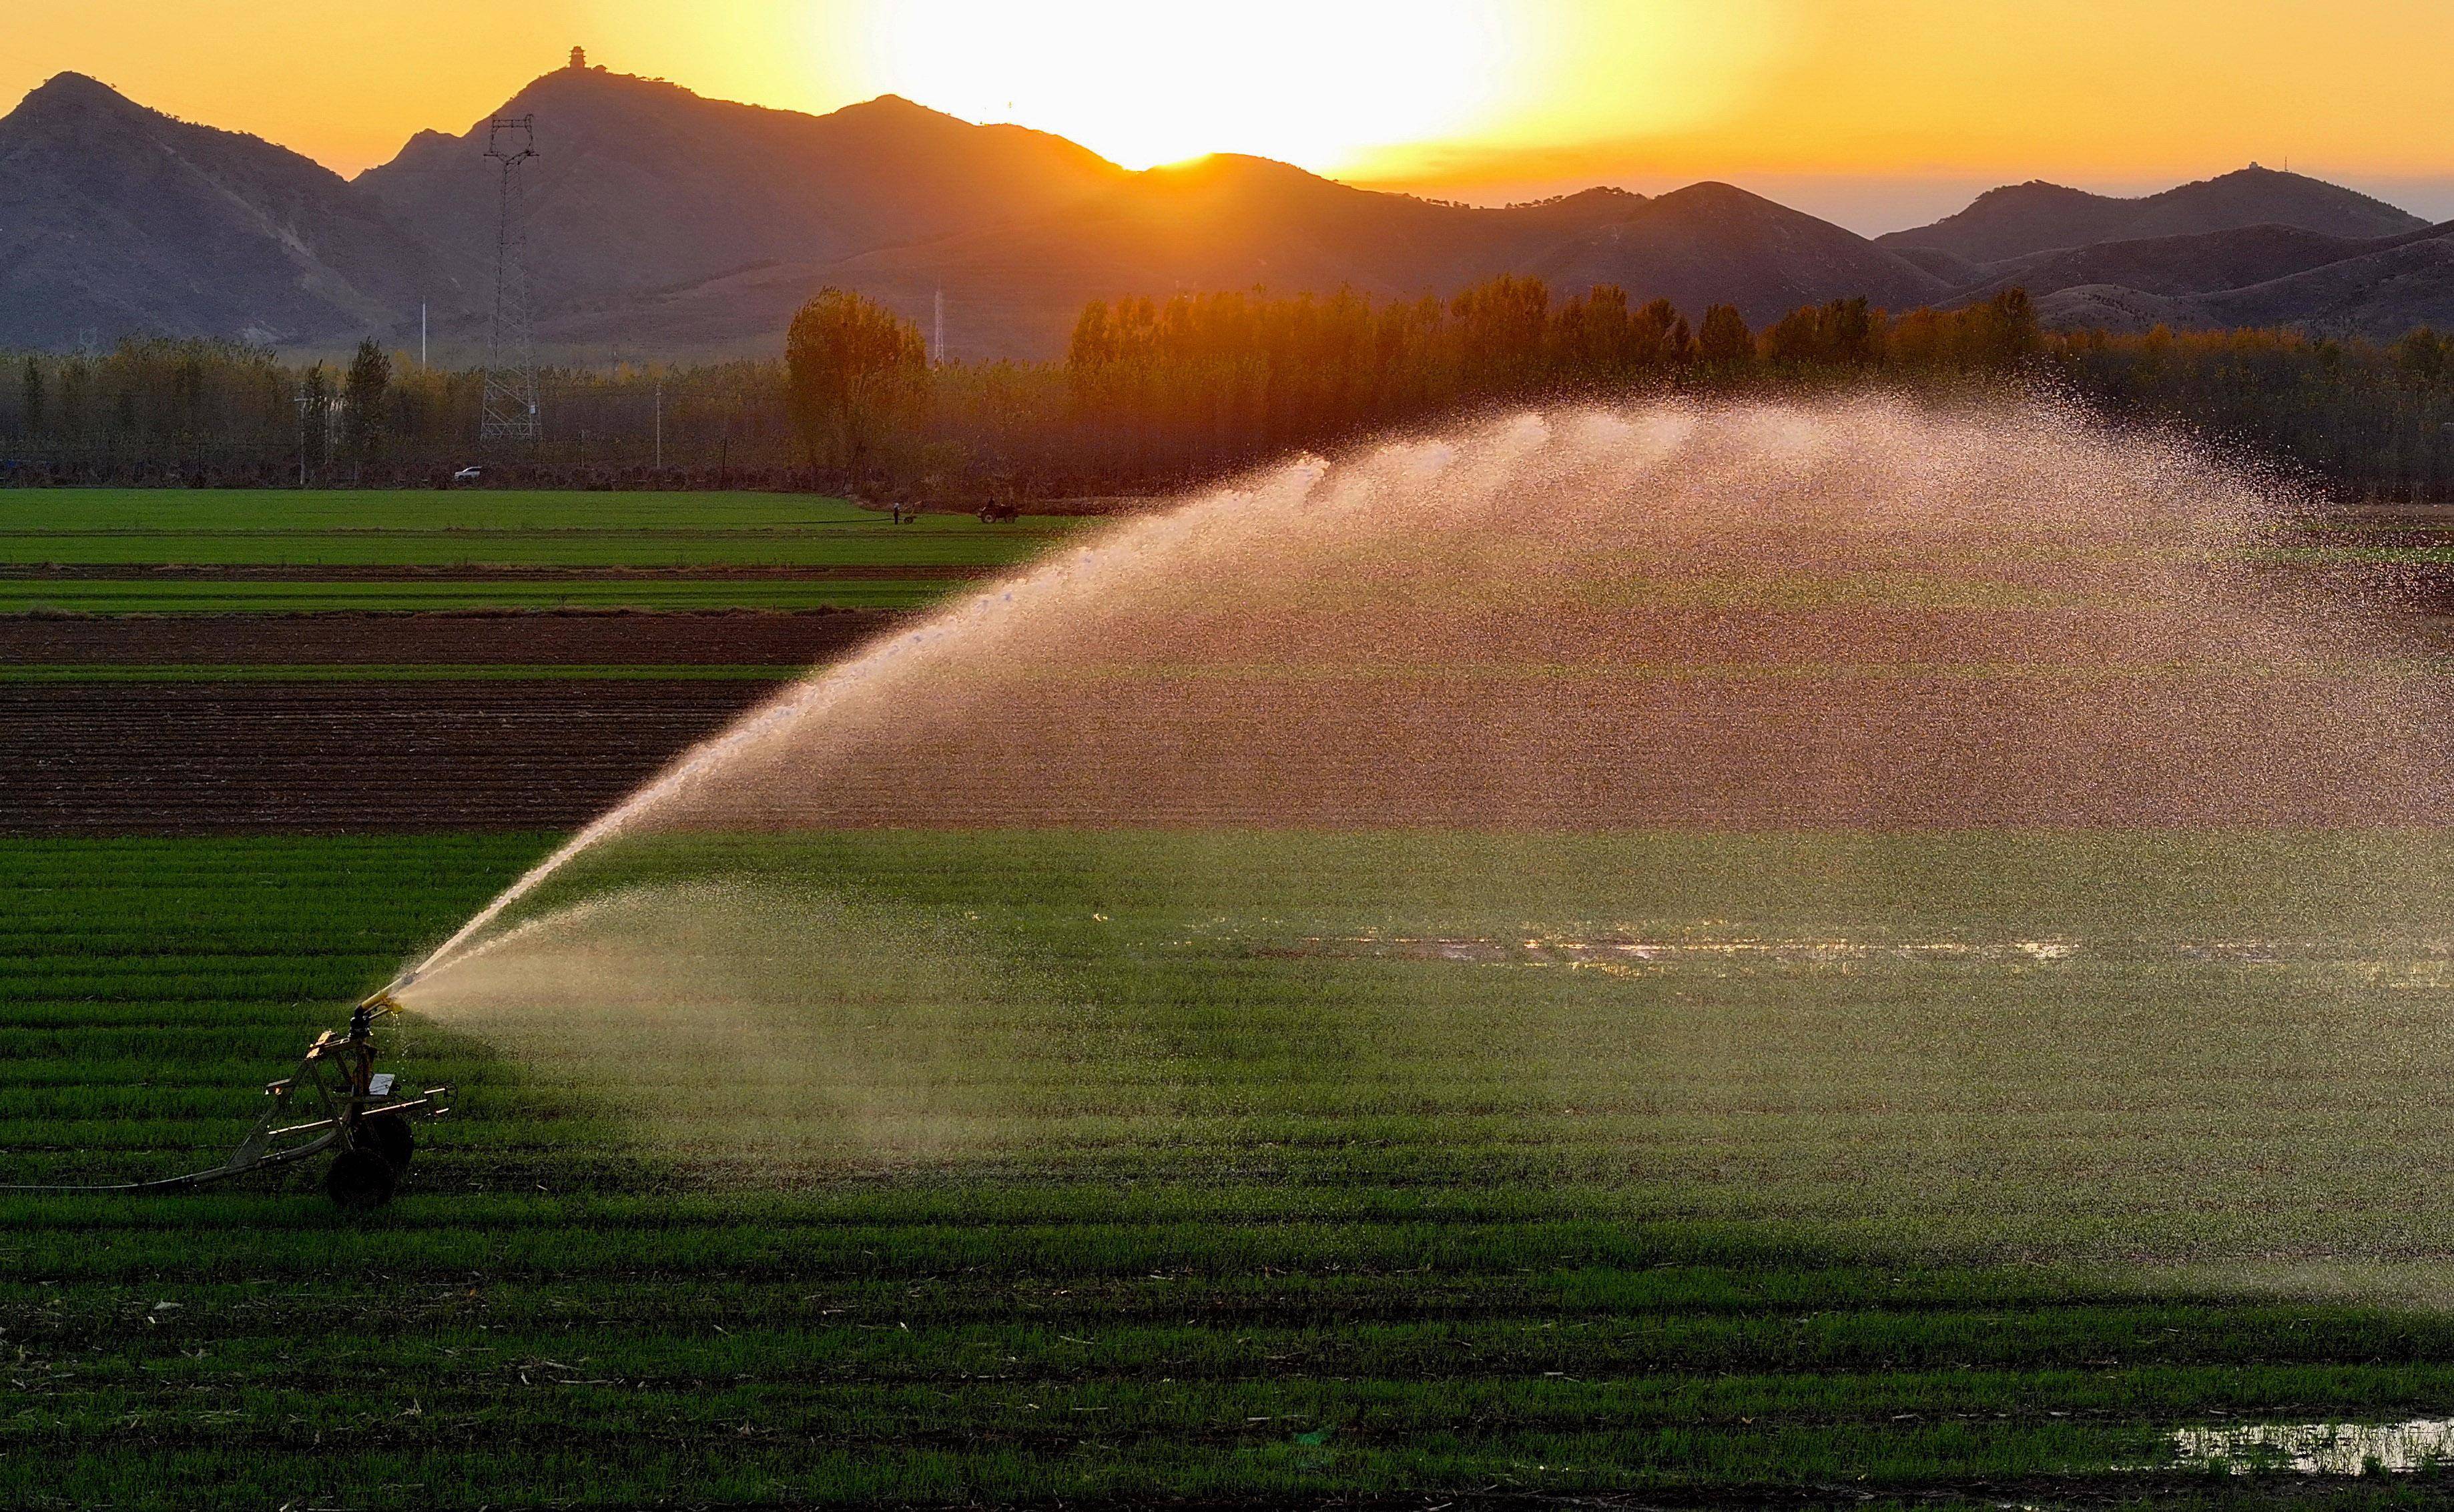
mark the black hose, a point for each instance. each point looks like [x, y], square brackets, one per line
[158, 1183]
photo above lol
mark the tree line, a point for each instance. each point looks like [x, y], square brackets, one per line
[1157, 394]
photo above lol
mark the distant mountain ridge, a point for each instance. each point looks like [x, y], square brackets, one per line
[665, 224]
[1716, 243]
[2037, 216]
[116, 219]
[642, 185]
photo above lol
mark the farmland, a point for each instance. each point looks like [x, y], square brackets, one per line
[413, 527]
[1322, 1257]
[133, 551]
[1215, 1165]
[417, 658]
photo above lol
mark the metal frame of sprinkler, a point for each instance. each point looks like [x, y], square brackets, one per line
[510, 409]
[336, 1100]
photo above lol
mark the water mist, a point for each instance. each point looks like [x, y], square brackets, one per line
[1817, 804]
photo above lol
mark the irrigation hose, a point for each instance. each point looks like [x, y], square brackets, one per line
[157, 1184]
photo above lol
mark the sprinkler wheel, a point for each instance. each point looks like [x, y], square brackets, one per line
[389, 1139]
[349, 1108]
[359, 1181]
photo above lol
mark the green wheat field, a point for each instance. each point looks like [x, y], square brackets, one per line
[1233, 1168]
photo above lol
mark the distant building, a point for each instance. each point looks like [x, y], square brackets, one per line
[578, 59]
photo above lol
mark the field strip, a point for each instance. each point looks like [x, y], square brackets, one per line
[146, 596]
[474, 571]
[421, 671]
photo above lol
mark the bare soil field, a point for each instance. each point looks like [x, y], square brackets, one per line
[311, 758]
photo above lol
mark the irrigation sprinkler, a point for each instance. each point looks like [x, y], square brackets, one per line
[336, 1100]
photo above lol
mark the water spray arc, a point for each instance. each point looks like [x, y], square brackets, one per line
[1987, 686]
[1494, 628]
[1069, 581]
[511, 410]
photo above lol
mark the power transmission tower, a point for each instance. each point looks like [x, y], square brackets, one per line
[512, 412]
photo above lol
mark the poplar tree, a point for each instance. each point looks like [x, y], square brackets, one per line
[858, 372]
[363, 394]
[1724, 339]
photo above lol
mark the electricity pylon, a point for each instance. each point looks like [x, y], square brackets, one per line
[511, 411]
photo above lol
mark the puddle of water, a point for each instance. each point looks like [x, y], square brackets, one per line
[2320, 1448]
[1589, 951]
[2418, 962]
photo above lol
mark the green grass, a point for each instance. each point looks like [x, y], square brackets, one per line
[1323, 1215]
[432, 530]
[939, 541]
[138, 528]
[434, 526]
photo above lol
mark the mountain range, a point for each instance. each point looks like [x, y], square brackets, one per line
[664, 224]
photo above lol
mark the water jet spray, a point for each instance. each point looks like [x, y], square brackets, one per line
[1847, 619]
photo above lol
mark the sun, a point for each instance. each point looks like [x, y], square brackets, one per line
[1318, 83]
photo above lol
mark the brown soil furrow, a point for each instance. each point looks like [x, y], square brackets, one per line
[176, 759]
[479, 637]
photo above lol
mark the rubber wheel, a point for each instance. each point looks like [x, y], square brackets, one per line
[359, 1181]
[389, 1138]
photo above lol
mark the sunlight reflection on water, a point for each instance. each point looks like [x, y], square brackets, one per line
[2320, 1448]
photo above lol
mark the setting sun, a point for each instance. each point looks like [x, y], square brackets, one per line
[1143, 85]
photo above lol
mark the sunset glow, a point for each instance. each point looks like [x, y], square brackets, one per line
[1147, 85]
[1469, 98]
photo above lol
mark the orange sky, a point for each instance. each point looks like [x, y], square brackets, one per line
[1833, 103]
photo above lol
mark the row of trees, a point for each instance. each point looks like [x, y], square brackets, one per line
[221, 412]
[1208, 380]
[1153, 393]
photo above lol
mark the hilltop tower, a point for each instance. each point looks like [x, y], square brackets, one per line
[578, 60]
[510, 408]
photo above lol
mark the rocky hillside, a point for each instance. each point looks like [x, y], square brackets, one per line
[116, 220]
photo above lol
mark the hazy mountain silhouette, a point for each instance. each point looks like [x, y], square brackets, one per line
[665, 224]
[1713, 244]
[2201, 264]
[2255, 248]
[116, 219]
[642, 185]
[1240, 223]
[2379, 290]
[2038, 216]
[1220, 223]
